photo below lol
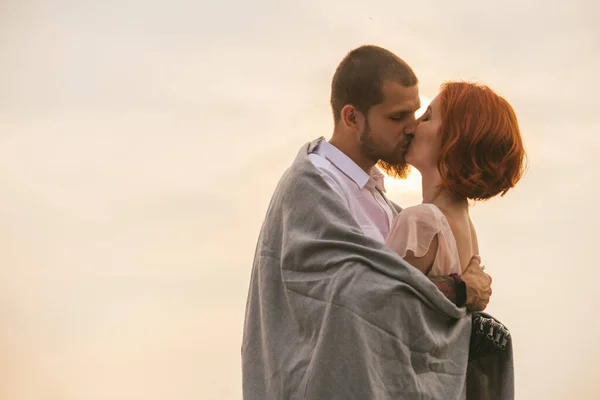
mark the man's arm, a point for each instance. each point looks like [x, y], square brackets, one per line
[478, 285]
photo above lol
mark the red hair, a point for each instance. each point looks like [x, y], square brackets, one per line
[482, 153]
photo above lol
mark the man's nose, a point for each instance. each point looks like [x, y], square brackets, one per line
[411, 127]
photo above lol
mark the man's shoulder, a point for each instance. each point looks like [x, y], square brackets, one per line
[326, 169]
[303, 173]
[320, 162]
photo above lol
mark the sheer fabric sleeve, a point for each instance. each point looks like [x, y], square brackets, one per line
[413, 229]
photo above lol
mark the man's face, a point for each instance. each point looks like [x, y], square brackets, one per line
[389, 125]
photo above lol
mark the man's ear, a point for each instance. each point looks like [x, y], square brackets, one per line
[351, 117]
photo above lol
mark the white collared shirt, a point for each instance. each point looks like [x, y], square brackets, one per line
[360, 191]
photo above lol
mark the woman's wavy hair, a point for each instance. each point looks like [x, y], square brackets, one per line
[482, 152]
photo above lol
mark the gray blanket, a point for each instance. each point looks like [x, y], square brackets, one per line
[333, 314]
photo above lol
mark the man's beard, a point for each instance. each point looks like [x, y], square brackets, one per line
[398, 171]
[391, 162]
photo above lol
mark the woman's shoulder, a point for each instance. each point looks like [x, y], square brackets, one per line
[415, 229]
[420, 222]
[425, 213]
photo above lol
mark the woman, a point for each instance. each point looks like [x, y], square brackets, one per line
[467, 146]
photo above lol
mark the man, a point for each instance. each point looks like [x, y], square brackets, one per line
[332, 313]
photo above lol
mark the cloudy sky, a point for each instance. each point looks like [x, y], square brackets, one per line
[140, 142]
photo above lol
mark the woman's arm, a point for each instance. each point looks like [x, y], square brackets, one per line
[414, 236]
[425, 262]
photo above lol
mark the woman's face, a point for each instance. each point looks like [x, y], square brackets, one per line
[424, 150]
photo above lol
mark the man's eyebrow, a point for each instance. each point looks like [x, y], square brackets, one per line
[400, 112]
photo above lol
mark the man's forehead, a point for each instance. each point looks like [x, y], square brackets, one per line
[398, 97]
[407, 106]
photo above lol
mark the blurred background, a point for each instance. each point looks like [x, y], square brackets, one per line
[140, 142]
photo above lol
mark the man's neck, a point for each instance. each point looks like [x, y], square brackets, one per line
[354, 153]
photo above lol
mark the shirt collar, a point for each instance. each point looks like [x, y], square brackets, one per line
[349, 167]
[378, 178]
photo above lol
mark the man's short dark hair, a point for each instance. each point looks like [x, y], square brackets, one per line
[359, 78]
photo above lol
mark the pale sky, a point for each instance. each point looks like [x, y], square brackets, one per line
[140, 142]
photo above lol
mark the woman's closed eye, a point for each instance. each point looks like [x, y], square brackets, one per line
[425, 117]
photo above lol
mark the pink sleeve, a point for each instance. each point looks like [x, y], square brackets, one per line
[413, 229]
